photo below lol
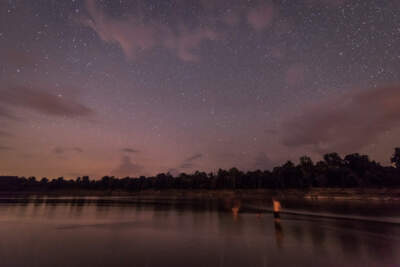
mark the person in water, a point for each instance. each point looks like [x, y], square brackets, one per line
[276, 208]
[235, 209]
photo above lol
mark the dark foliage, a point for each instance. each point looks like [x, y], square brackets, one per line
[352, 171]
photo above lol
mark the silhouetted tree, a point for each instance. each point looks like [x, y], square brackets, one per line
[307, 168]
[354, 170]
[44, 181]
[333, 160]
[396, 157]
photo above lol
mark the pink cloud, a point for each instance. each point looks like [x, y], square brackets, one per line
[134, 36]
[231, 18]
[277, 52]
[296, 74]
[41, 101]
[185, 42]
[346, 124]
[261, 17]
[131, 35]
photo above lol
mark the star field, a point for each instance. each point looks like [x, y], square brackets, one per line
[140, 87]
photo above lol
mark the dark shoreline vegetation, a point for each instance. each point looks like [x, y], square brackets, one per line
[354, 171]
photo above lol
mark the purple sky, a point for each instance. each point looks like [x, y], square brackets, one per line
[139, 87]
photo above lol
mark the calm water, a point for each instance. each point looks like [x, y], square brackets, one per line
[115, 234]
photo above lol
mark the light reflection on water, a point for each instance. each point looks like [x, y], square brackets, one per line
[83, 233]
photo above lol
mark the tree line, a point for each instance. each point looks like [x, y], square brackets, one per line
[352, 171]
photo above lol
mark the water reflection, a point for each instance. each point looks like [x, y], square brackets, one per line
[350, 244]
[213, 233]
[317, 234]
[278, 232]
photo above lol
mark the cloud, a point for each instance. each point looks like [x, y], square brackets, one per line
[262, 162]
[62, 150]
[231, 18]
[42, 102]
[134, 34]
[346, 124]
[173, 171]
[185, 42]
[189, 163]
[194, 157]
[17, 57]
[262, 16]
[271, 131]
[296, 74]
[5, 113]
[127, 168]
[58, 150]
[77, 149]
[130, 34]
[130, 150]
[5, 134]
[75, 175]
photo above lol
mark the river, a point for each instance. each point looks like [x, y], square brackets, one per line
[90, 233]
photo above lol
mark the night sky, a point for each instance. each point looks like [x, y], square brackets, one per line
[141, 87]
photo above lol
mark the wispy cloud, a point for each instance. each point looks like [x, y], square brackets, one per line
[134, 35]
[186, 165]
[346, 124]
[5, 113]
[262, 16]
[127, 168]
[62, 150]
[77, 149]
[40, 101]
[296, 74]
[17, 57]
[190, 162]
[58, 150]
[5, 134]
[6, 148]
[130, 150]
[262, 162]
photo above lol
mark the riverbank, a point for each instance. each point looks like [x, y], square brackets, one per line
[334, 194]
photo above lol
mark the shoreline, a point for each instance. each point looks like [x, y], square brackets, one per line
[315, 194]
